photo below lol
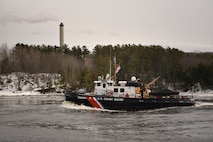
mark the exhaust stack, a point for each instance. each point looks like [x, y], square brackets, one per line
[61, 35]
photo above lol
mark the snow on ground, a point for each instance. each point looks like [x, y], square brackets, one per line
[18, 93]
[20, 83]
[200, 95]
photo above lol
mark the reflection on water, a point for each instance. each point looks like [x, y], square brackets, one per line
[50, 118]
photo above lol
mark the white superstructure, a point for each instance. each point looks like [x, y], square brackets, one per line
[123, 89]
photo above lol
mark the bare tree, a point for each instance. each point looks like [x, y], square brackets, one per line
[4, 56]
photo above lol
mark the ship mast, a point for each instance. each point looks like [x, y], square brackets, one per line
[110, 64]
[114, 59]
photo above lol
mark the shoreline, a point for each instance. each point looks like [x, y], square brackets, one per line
[27, 93]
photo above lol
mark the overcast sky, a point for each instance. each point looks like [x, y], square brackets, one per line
[183, 24]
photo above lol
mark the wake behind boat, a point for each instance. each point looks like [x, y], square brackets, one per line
[127, 96]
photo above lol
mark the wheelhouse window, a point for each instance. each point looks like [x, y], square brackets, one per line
[109, 84]
[98, 84]
[115, 89]
[121, 90]
[104, 85]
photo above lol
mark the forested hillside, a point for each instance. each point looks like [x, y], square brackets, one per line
[79, 67]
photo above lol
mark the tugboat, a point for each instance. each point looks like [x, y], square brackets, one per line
[127, 96]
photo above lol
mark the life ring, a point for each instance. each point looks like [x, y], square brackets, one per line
[109, 93]
[127, 95]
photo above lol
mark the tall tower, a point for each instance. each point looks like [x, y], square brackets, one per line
[61, 35]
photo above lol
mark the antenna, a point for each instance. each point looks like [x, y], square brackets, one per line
[110, 63]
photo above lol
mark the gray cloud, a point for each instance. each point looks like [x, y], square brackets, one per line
[88, 32]
[40, 32]
[13, 17]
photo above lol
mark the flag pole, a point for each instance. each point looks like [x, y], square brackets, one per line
[110, 63]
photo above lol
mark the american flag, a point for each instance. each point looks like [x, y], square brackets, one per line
[118, 69]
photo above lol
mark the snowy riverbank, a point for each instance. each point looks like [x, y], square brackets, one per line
[19, 83]
[200, 95]
[27, 93]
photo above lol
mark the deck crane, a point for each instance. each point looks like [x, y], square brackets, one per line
[147, 87]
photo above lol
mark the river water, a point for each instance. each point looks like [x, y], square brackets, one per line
[51, 119]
